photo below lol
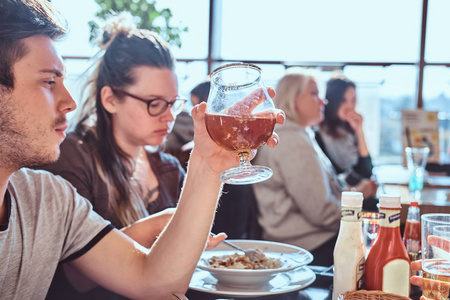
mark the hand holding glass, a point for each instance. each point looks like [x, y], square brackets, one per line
[240, 117]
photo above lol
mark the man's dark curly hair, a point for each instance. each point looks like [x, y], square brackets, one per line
[20, 19]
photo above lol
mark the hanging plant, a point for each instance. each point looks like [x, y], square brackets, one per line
[146, 15]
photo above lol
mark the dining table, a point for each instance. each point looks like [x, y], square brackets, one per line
[434, 198]
[320, 289]
[392, 179]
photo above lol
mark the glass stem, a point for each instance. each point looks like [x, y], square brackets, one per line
[244, 159]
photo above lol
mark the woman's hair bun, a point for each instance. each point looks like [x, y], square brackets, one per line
[114, 25]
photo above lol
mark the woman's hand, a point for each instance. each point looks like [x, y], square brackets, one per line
[215, 240]
[368, 187]
[355, 120]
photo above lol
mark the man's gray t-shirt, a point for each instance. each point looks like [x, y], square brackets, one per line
[48, 222]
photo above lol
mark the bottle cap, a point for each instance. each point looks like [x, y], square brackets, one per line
[414, 204]
[352, 199]
[390, 201]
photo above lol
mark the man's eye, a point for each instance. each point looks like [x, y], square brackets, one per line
[50, 82]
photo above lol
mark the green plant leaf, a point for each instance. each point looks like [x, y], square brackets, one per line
[146, 11]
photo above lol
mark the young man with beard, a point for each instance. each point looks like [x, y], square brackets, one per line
[43, 221]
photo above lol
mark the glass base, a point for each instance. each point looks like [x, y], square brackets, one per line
[246, 175]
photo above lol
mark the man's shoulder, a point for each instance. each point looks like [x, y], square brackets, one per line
[31, 175]
[27, 180]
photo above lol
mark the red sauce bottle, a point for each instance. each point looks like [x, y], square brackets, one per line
[412, 233]
[388, 264]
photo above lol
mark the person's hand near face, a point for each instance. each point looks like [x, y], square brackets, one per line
[355, 120]
[347, 113]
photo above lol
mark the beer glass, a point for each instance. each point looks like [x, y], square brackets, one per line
[240, 117]
[436, 256]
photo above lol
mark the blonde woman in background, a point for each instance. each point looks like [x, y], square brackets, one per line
[300, 204]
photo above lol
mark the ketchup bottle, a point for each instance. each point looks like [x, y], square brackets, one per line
[388, 264]
[412, 233]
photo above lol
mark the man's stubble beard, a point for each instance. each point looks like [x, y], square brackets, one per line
[19, 148]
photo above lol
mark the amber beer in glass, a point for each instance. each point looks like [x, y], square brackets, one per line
[240, 117]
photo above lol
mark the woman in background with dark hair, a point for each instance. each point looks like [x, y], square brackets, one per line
[341, 135]
[133, 102]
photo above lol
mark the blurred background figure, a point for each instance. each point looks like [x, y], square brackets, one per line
[340, 135]
[182, 134]
[133, 102]
[300, 204]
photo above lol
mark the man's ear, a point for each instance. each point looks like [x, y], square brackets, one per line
[109, 100]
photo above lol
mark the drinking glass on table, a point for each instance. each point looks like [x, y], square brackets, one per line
[240, 117]
[436, 256]
[370, 224]
[416, 159]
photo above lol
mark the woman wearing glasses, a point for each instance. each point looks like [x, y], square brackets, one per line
[133, 103]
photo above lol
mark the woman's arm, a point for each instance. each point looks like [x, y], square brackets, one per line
[355, 120]
[364, 166]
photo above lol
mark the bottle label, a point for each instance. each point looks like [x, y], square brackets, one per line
[396, 277]
[351, 214]
[360, 270]
[390, 217]
[394, 218]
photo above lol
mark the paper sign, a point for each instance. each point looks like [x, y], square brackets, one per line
[421, 128]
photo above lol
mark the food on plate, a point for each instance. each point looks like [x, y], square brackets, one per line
[237, 261]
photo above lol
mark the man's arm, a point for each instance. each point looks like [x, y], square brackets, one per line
[122, 265]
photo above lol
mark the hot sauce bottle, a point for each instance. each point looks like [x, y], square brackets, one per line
[388, 264]
[412, 233]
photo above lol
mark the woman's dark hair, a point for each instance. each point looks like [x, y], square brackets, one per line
[125, 48]
[336, 88]
[20, 19]
[202, 91]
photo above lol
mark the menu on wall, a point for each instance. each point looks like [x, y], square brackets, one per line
[421, 128]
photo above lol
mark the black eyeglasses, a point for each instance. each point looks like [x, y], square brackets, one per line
[157, 106]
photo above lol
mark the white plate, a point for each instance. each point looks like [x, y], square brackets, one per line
[291, 257]
[282, 283]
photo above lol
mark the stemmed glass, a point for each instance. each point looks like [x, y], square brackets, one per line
[240, 117]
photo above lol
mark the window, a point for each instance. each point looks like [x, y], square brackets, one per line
[437, 98]
[375, 44]
[437, 40]
[320, 31]
[78, 14]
